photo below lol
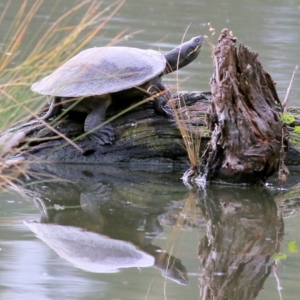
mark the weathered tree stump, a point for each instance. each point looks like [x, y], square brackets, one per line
[248, 139]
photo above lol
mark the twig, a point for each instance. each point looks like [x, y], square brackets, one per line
[217, 70]
[285, 101]
[275, 272]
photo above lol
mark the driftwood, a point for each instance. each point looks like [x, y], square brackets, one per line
[142, 136]
[248, 141]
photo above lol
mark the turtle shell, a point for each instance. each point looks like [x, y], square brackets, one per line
[102, 70]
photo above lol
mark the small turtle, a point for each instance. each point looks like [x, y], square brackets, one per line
[96, 74]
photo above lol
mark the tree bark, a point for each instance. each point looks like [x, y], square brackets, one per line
[248, 139]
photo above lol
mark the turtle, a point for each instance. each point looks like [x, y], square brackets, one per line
[97, 74]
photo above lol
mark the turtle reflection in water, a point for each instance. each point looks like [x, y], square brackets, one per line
[94, 252]
[98, 73]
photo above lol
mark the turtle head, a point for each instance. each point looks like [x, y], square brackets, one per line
[183, 54]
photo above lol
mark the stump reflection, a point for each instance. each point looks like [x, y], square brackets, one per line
[243, 233]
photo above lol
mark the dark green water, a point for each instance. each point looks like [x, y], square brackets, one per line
[101, 232]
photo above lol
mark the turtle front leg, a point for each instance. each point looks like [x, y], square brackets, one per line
[101, 134]
[161, 103]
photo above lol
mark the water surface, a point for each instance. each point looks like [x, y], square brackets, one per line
[117, 233]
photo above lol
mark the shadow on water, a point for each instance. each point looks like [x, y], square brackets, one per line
[102, 219]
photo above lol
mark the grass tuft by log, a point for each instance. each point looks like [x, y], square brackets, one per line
[191, 135]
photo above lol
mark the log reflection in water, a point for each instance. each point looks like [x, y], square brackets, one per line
[103, 219]
[243, 233]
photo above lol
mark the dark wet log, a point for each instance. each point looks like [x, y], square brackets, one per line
[248, 139]
[243, 233]
[141, 136]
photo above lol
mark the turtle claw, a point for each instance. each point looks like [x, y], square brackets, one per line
[104, 135]
[167, 111]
